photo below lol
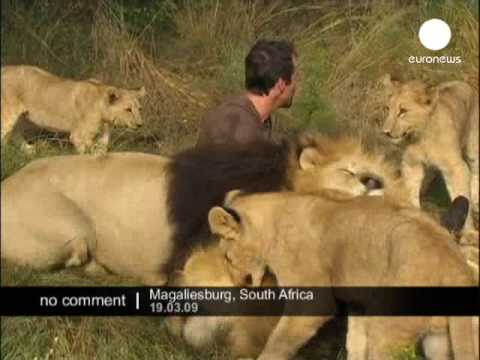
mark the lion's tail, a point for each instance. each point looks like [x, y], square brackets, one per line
[462, 338]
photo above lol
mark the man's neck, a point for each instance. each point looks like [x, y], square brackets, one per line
[263, 105]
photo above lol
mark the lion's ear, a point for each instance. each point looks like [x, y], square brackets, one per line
[389, 82]
[310, 158]
[141, 92]
[224, 221]
[113, 95]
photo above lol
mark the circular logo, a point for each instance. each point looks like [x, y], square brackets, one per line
[435, 34]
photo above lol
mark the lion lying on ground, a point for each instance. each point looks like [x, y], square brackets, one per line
[439, 126]
[141, 215]
[86, 109]
[336, 241]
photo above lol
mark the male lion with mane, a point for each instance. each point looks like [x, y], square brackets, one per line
[142, 215]
[336, 240]
[85, 109]
[439, 127]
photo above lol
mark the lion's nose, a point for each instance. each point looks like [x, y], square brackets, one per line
[387, 132]
[372, 182]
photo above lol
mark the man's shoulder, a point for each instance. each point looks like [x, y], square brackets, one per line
[235, 120]
[233, 103]
[236, 108]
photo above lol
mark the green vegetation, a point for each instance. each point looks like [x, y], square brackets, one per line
[189, 54]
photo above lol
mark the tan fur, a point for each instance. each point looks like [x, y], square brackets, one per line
[245, 336]
[340, 167]
[332, 238]
[439, 126]
[66, 210]
[84, 109]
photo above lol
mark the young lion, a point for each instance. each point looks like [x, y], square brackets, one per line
[336, 241]
[439, 127]
[246, 336]
[85, 109]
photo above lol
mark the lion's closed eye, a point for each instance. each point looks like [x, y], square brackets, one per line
[347, 172]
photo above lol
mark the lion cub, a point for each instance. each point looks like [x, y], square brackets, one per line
[439, 127]
[365, 241]
[86, 109]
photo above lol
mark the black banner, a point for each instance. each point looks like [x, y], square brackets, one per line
[274, 301]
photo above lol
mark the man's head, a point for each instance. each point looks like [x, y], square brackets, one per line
[270, 69]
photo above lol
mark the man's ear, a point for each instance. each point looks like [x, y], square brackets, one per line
[310, 158]
[278, 88]
[224, 221]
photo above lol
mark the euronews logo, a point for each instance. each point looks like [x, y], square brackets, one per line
[435, 34]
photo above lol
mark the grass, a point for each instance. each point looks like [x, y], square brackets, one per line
[189, 54]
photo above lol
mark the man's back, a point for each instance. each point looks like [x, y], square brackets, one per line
[235, 121]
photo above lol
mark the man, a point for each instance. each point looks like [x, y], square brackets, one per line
[270, 79]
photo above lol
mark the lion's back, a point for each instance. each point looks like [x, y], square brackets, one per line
[50, 101]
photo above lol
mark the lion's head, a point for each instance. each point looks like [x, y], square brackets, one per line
[341, 166]
[227, 225]
[123, 107]
[205, 267]
[409, 105]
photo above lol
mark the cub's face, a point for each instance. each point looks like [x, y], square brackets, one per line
[205, 267]
[242, 258]
[409, 106]
[123, 107]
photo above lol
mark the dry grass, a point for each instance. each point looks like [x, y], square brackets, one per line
[189, 65]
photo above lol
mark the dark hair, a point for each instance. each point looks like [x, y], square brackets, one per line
[266, 63]
[201, 176]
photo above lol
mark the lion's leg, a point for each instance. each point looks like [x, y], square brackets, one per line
[44, 230]
[476, 335]
[175, 325]
[436, 346]
[83, 135]
[11, 111]
[389, 335]
[93, 268]
[103, 140]
[457, 179]
[248, 336]
[154, 279]
[357, 338]
[472, 154]
[290, 334]
[242, 345]
[200, 331]
[413, 172]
